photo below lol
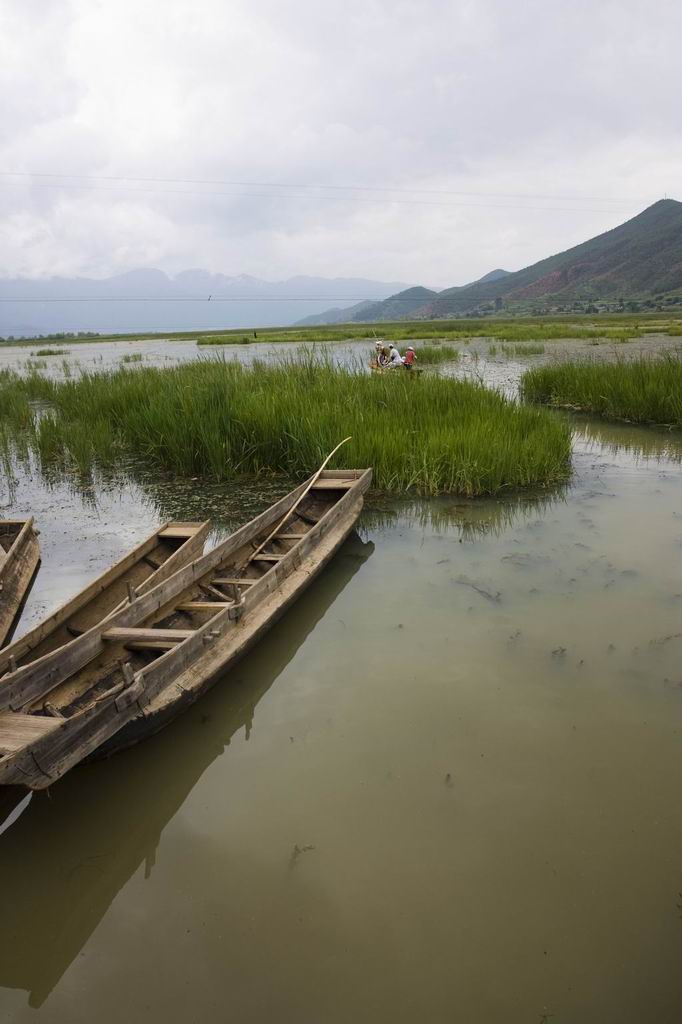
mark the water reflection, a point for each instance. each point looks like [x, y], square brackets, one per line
[99, 824]
[637, 442]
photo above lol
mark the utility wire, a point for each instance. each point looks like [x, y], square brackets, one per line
[304, 196]
[344, 188]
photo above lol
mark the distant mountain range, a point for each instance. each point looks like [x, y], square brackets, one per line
[149, 300]
[632, 264]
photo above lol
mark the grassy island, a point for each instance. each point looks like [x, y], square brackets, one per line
[221, 419]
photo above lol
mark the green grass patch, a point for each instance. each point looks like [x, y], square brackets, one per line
[132, 357]
[437, 353]
[51, 352]
[220, 419]
[644, 390]
[523, 349]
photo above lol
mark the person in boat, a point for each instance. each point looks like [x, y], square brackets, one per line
[410, 358]
[394, 357]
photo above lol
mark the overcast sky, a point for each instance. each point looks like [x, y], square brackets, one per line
[476, 134]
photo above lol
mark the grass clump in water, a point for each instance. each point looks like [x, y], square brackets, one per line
[51, 352]
[530, 349]
[641, 391]
[437, 353]
[132, 357]
[221, 419]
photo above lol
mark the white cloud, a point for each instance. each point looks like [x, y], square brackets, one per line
[539, 99]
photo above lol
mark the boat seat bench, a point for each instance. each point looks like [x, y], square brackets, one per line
[17, 730]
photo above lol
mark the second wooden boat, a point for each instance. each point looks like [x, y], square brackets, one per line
[128, 676]
[19, 558]
[161, 554]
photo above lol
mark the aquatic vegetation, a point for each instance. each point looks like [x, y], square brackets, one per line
[437, 353]
[492, 350]
[644, 390]
[220, 419]
[51, 352]
[132, 357]
[524, 349]
[35, 364]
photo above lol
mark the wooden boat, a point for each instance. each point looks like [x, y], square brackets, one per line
[63, 893]
[159, 653]
[167, 549]
[19, 558]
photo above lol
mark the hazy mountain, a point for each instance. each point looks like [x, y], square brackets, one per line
[148, 300]
[640, 258]
[336, 315]
[410, 302]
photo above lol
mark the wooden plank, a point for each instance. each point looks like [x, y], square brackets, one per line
[151, 645]
[234, 581]
[203, 606]
[175, 533]
[16, 574]
[333, 485]
[267, 557]
[44, 631]
[18, 730]
[123, 634]
[289, 536]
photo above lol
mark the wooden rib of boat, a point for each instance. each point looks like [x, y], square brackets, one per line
[128, 676]
[19, 558]
[165, 551]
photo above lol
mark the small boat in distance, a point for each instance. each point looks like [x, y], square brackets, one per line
[130, 675]
[165, 551]
[19, 559]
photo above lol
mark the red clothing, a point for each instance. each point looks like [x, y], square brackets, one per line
[409, 357]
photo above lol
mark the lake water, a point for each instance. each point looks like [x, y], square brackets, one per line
[445, 787]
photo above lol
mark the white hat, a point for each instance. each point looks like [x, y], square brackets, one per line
[410, 348]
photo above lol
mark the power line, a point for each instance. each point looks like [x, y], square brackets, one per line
[308, 197]
[195, 298]
[310, 185]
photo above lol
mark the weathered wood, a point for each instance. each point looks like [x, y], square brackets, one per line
[18, 730]
[203, 606]
[267, 557]
[175, 532]
[105, 593]
[216, 643]
[234, 581]
[121, 635]
[21, 556]
[332, 485]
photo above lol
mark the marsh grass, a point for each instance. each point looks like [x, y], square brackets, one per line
[436, 353]
[522, 349]
[132, 357]
[222, 420]
[51, 352]
[644, 390]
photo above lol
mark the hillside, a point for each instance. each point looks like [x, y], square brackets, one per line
[640, 258]
[409, 303]
[336, 315]
[398, 306]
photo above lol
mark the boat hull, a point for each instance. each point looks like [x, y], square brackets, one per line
[17, 571]
[215, 666]
[165, 648]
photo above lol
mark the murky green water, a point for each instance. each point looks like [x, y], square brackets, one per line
[444, 788]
